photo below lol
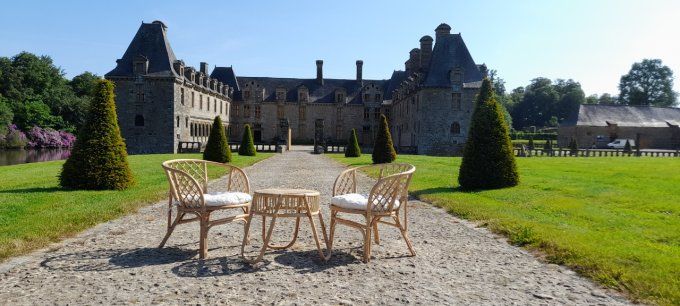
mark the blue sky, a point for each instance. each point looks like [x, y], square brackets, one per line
[593, 42]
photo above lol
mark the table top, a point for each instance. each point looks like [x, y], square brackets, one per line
[287, 191]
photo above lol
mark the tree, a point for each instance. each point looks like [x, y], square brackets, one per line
[537, 104]
[84, 83]
[648, 83]
[99, 158]
[627, 148]
[592, 99]
[6, 115]
[573, 147]
[247, 147]
[383, 149]
[571, 96]
[488, 158]
[606, 98]
[217, 149]
[353, 149]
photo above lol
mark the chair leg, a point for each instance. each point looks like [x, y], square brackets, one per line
[331, 235]
[375, 231]
[203, 242]
[367, 241]
[405, 235]
[171, 228]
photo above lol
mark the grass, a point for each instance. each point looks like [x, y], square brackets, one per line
[615, 220]
[35, 211]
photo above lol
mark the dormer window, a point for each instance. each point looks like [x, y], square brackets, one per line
[302, 97]
[140, 65]
[280, 94]
[378, 98]
[340, 98]
[367, 97]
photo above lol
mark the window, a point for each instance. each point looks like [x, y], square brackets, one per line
[302, 113]
[367, 97]
[455, 97]
[280, 112]
[246, 95]
[186, 121]
[455, 128]
[193, 104]
[235, 111]
[177, 119]
[200, 101]
[140, 96]
[376, 113]
[258, 111]
[302, 97]
[246, 111]
[215, 105]
[139, 120]
[192, 130]
[340, 98]
[377, 98]
[181, 95]
[280, 95]
[367, 113]
[221, 107]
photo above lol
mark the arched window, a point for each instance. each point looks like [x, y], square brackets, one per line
[177, 121]
[139, 120]
[455, 128]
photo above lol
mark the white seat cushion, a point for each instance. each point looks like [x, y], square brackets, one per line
[226, 198]
[354, 201]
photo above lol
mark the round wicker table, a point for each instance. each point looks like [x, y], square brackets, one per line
[283, 203]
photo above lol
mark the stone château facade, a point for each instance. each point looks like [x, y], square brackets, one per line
[161, 101]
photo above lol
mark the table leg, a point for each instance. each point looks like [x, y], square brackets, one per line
[295, 235]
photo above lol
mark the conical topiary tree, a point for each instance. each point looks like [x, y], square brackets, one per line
[573, 147]
[99, 158]
[383, 150]
[627, 148]
[488, 159]
[547, 146]
[353, 149]
[217, 148]
[247, 147]
[531, 143]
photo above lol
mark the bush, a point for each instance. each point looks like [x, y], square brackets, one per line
[49, 138]
[99, 158]
[547, 146]
[573, 146]
[383, 150]
[14, 139]
[488, 159]
[247, 147]
[217, 148]
[353, 149]
[627, 148]
[530, 145]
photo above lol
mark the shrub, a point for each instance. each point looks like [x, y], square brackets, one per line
[247, 147]
[99, 158]
[547, 146]
[530, 145]
[353, 149]
[573, 146]
[488, 159]
[627, 148]
[217, 149]
[383, 150]
[15, 139]
[49, 138]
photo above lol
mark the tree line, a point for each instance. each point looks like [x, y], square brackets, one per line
[35, 93]
[548, 103]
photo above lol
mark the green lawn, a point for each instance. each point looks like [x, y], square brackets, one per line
[616, 220]
[34, 211]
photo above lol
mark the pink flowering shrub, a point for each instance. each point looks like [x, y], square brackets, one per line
[49, 138]
[14, 139]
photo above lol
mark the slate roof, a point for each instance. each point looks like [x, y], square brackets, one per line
[448, 53]
[623, 115]
[151, 42]
[225, 75]
[393, 83]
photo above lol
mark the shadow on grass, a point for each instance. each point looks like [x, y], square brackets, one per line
[116, 259]
[35, 190]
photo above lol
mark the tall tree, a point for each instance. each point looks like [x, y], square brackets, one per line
[488, 159]
[648, 83]
[606, 98]
[217, 149]
[99, 157]
[571, 96]
[383, 149]
[6, 115]
[537, 104]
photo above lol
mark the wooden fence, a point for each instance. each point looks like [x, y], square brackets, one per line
[592, 153]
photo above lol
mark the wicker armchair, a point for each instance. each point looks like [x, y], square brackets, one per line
[387, 199]
[189, 194]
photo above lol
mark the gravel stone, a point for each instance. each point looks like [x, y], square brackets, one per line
[457, 263]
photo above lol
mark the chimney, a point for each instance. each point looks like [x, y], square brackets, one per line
[425, 52]
[442, 30]
[360, 71]
[414, 58]
[319, 72]
[204, 68]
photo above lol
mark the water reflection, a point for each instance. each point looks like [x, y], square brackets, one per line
[20, 156]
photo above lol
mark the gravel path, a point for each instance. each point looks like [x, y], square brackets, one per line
[457, 263]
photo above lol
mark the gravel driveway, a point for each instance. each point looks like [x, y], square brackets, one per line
[457, 263]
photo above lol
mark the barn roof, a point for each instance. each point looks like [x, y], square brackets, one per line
[623, 115]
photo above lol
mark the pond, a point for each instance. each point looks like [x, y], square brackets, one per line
[21, 156]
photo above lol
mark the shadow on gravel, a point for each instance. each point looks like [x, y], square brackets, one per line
[115, 259]
[309, 261]
[211, 267]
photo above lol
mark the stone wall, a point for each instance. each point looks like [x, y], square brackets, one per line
[650, 137]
